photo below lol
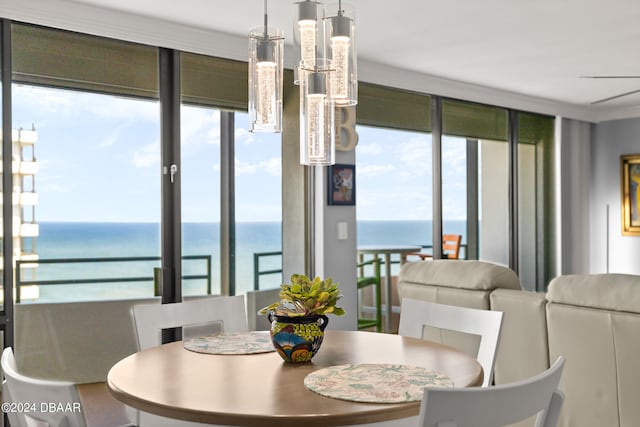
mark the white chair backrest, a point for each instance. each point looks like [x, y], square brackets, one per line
[14, 420]
[150, 319]
[60, 398]
[257, 300]
[415, 315]
[498, 405]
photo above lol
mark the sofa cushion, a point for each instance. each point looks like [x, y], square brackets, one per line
[523, 351]
[454, 282]
[602, 370]
[618, 292]
[464, 274]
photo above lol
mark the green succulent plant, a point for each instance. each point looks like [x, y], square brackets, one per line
[304, 297]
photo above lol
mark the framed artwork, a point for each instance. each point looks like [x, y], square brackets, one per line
[342, 184]
[630, 174]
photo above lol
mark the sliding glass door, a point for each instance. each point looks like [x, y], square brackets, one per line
[86, 156]
[258, 207]
[200, 196]
[394, 187]
[493, 179]
[454, 189]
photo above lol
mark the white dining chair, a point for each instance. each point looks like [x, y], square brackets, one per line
[22, 390]
[415, 315]
[196, 317]
[499, 405]
[257, 300]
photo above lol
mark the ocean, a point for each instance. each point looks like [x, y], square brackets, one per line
[67, 240]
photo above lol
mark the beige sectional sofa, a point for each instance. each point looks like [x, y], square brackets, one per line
[592, 320]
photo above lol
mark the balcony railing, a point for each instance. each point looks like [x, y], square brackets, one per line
[257, 273]
[155, 278]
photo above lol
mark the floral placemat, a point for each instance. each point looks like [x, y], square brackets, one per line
[375, 383]
[231, 343]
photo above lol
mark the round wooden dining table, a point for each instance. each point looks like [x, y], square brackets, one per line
[261, 390]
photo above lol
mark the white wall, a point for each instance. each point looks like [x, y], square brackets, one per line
[337, 258]
[527, 223]
[612, 139]
[575, 175]
[494, 207]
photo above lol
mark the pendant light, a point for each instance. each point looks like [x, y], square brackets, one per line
[266, 47]
[306, 34]
[339, 27]
[317, 136]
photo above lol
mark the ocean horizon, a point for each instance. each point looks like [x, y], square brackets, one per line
[74, 240]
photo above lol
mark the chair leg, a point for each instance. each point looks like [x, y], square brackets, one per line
[378, 292]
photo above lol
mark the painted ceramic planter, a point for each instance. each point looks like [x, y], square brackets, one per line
[297, 339]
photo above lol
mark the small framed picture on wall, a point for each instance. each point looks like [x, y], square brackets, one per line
[630, 189]
[342, 184]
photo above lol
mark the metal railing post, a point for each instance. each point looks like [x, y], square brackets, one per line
[208, 260]
[256, 267]
[18, 282]
[256, 271]
[157, 281]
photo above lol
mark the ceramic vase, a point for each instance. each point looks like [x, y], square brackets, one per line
[297, 339]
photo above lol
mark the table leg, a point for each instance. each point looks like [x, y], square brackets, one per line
[387, 292]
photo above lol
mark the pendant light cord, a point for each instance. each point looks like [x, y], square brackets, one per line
[266, 32]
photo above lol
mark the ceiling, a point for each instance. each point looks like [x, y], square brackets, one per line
[540, 48]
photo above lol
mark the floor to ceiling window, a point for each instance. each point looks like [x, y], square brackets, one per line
[393, 169]
[527, 213]
[454, 188]
[231, 180]
[258, 206]
[96, 193]
[493, 179]
[200, 158]
[87, 171]
[478, 201]
[98, 149]
[394, 187]
[535, 195]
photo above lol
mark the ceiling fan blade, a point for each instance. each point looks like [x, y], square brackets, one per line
[615, 97]
[610, 77]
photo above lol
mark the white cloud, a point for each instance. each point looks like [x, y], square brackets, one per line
[454, 157]
[374, 170]
[199, 126]
[272, 167]
[389, 204]
[213, 136]
[243, 136]
[149, 155]
[415, 158]
[115, 135]
[244, 168]
[369, 149]
[67, 102]
[109, 141]
[52, 187]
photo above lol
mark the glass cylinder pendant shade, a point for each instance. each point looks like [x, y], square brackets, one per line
[266, 48]
[306, 34]
[317, 136]
[339, 28]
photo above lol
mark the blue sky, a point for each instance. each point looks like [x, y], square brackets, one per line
[99, 159]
